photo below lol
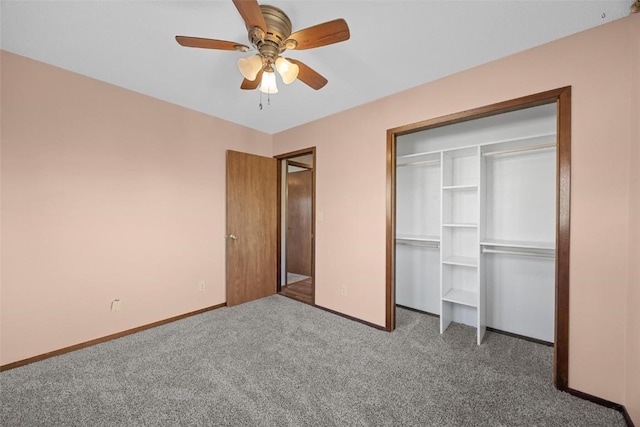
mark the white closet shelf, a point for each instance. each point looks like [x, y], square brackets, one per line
[460, 187]
[461, 225]
[433, 154]
[434, 245]
[469, 151]
[418, 238]
[421, 241]
[520, 139]
[465, 261]
[418, 163]
[520, 244]
[418, 159]
[460, 296]
[520, 150]
[523, 252]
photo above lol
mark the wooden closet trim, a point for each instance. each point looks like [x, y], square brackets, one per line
[562, 98]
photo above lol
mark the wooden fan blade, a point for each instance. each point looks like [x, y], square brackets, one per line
[309, 76]
[252, 84]
[210, 43]
[322, 34]
[251, 14]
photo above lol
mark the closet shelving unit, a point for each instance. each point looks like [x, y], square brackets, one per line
[459, 255]
[492, 224]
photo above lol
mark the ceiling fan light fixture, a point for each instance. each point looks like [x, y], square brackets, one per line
[288, 70]
[268, 84]
[250, 67]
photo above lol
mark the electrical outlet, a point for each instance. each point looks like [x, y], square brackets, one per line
[202, 286]
[343, 290]
[116, 305]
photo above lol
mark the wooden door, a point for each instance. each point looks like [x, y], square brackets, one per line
[299, 234]
[251, 227]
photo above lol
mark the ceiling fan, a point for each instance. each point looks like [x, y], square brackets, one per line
[269, 31]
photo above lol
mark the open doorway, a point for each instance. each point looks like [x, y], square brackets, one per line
[296, 188]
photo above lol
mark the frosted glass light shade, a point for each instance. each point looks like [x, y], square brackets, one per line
[268, 84]
[288, 70]
[249, 67]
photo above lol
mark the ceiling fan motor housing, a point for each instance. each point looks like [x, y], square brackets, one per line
[271, 43]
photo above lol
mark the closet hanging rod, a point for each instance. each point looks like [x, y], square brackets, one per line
[521, 253]
[434, 245]
[424, 162]
[517, 150]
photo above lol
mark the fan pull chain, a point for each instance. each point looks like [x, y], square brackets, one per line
[268, 100]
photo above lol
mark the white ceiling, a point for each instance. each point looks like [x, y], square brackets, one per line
[394, 45]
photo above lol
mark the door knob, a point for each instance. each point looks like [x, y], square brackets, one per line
[232, 236]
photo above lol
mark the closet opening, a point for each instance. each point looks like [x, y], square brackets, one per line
[478, 220]
[296, 225]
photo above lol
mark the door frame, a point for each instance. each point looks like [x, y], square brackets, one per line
[310, 151]
[562, 98]
[285, 214]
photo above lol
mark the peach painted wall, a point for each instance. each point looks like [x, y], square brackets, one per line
[632, 397]
[106, 194]
[351, 186]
